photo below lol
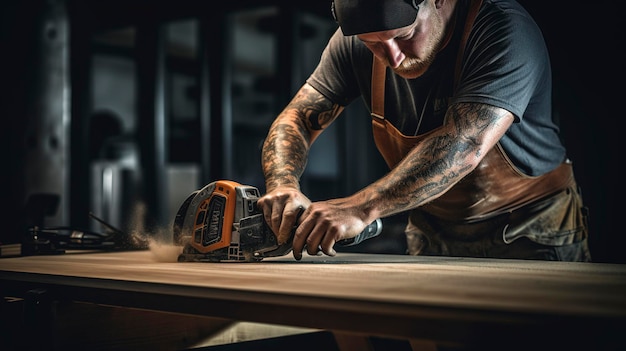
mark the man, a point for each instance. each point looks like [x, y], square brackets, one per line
[460, 95]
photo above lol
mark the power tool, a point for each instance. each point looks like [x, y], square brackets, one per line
[221, 223]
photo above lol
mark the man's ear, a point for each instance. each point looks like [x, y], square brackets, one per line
[439, 3]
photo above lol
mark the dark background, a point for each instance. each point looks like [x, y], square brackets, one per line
[585, 43]
[585, 40]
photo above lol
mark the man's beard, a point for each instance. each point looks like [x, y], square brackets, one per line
[412, 67]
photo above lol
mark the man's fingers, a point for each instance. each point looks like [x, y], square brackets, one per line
[313, 241]
[300, 237]
[276, 215]
[327, 245]
[317, 240]
[288, 221]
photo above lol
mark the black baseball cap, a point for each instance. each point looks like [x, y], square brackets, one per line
[366, 16]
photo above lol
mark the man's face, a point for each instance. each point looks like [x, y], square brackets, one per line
[409, 50]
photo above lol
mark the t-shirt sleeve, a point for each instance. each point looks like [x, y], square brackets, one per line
[335, 75]
[505, 62]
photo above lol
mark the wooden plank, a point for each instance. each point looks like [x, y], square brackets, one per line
[567, 288]
[436, 298]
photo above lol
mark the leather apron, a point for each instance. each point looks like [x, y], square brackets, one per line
[494, 188]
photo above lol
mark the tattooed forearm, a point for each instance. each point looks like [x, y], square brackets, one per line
[438, 162]
[284, 155]
[286, 147]
[318, 111]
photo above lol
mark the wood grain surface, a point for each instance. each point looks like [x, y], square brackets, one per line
[440, 298]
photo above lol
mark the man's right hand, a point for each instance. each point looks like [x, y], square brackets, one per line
[281, 208]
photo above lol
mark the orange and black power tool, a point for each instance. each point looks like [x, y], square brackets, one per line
[221, 223]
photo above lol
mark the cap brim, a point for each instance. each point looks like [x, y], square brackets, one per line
[367, 16]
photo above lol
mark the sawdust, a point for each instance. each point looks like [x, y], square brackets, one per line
[160, 243]
[164, 252]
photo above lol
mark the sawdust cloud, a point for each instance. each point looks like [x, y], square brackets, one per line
[164, 252]
[160, 243]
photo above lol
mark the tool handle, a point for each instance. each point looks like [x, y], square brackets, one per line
[372, 230]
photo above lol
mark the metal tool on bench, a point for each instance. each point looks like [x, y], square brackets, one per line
[39, 239]
[221, 223]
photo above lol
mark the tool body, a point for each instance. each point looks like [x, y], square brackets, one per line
[221, 223]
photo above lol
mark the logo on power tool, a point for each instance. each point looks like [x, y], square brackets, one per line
[214, 221]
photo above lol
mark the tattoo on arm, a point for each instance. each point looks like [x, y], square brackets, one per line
[285, 150]
[439, 162]
[318, 111]
[284, 155]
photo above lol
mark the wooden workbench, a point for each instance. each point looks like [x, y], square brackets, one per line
[444, 300]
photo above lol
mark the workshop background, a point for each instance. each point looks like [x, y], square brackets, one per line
[123, 108]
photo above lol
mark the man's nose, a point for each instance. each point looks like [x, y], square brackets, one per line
[393, 52]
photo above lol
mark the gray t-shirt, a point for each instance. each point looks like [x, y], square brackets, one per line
[506, 64]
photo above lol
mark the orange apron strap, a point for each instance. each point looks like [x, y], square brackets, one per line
[391, 143]
[378, 89]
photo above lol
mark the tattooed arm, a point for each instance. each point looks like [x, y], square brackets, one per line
[284, 157]
[427, 172]
[440, 161]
